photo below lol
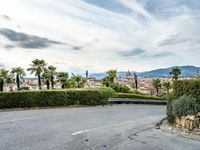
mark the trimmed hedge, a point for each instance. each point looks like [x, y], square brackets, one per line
[44, 98]
[187, 87]
[129, 95]
[182, 87]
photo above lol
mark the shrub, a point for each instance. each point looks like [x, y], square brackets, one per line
[187, 87]
[129, 95]
[170, 116]
[24, 88]
[45, 98]
[120, 88]
[185, 105]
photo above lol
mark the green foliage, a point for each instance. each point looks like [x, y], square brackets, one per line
[37, 67]
[120, 88]
[187, 87]
[167, 86]
[109, 79]
[129, 95]
[157, 84]
[43, 98]
[24, 88]
[62, 77]
[175, 73]
[77, 81]
[170, 116]
[185, 105]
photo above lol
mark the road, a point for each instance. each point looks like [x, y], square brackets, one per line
[117, 127]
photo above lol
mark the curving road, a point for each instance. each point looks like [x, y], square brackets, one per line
[118, 127]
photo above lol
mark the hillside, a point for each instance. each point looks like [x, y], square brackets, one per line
[188, 71]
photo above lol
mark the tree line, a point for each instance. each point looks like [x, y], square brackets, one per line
[44, 73]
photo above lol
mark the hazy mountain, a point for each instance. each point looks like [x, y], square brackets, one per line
[164, 72]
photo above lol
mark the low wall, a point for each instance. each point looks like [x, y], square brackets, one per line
[189, 122]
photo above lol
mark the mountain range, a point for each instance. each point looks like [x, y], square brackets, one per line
[186, 71]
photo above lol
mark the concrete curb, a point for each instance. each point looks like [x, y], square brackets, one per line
[137, 101]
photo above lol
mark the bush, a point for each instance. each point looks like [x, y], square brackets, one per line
[187, 87]
[185, 105]
[170, 116]
[120, 88]
[24, 88]
[45, 98]
[129, 95]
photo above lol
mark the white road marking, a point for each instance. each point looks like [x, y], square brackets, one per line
[98, 128]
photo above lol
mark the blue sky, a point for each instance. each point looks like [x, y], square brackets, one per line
[98, 35]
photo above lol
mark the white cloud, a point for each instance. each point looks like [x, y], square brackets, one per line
[95, 36]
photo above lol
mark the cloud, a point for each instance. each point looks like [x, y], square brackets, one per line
[134, 52]
[27, 41]
[173, 40]
[163, 54]
[6, 17]
[8, 46]
[2, 65]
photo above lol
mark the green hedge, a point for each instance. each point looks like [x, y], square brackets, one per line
[182, 87]
[130, 95]
[187, 87]
[45, 98]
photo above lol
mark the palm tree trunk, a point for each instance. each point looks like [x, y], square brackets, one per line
[1, 84]
[39, 82]
[18, 81]
[48, 84]
[52, 81]
[136, 84]
[157, 90]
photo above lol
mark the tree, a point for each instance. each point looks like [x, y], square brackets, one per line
[136, 81]
[109, 79]
[19, 73]
[37, 67]
[62, 77]
[46, 77]
[52, 71]
[175, 73]
[4, 78]
[167, 86]
[157, 84]
[78, 80]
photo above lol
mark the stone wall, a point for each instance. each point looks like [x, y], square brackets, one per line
[189, 122]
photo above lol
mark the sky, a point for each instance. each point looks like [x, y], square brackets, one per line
[98, 35]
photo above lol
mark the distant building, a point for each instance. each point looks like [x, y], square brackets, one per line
[128, 75]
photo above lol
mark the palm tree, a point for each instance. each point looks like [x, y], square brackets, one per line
[19, 73]
[46, 77]
[62, 77]
[157, 84]
[109, 79]
[4, 77]
[52, 71]
[37, 67]
[167, 86]
[175, 73]
[79, 80]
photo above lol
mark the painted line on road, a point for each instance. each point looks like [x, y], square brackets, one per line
[16, 120]
[98, 128]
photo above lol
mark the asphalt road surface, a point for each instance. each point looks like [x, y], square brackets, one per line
[118, 127]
